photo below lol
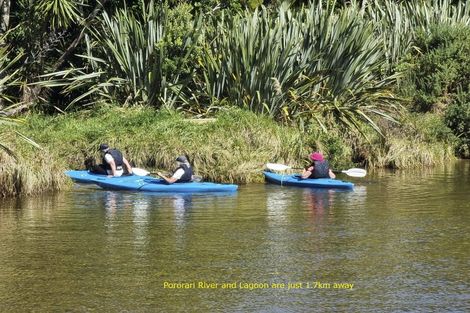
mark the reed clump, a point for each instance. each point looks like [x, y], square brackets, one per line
[30, 171]
[421, 140]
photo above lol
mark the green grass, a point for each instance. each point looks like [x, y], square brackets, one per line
[33, 171]
[421, 140]
[232, 147]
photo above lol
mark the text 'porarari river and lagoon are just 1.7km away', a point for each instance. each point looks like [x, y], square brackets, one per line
[257, 285]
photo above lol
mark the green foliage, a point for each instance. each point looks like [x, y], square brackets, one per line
[353, 89]
[253, 61]
[8, 76]
[42, 31]
[335, 147]
[422, 140]
[60, 13]
[328, 65]
[179, 23]
[312, 64]
[40, 28]
[31, 171]
[135, 59]
[8, 102]
[233, 146]
[438, 80]
[457, 118]
[440, 67]
[429, 128]
[217, 5]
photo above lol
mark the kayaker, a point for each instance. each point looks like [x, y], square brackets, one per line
[319, 168]
[183, 173]
[113, 162]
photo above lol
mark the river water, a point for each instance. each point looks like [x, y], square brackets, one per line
[399, 242]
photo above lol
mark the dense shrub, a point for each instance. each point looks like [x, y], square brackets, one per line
[438, 81]
[439, 67]
[458, 119]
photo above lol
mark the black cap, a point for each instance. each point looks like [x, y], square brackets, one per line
[103, 146]
[182, 159]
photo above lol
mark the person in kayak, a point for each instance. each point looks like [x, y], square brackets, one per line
[319, 168]
[182, 174]
[113, 162]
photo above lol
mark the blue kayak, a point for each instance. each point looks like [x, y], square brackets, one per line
[85, 177]
[296, 180]
[146, 183]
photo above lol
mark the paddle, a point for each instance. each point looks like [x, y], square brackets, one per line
[353, 172]
[280, 167]
[141, 172]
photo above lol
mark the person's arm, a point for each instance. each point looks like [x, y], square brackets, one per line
[176, 175]
[128, 166]
[331, 174]
[113, 167]
[307, 172]
[169, 180]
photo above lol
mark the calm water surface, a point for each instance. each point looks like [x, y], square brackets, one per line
[401, 239]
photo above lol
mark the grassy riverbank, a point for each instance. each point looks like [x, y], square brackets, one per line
[231, 147]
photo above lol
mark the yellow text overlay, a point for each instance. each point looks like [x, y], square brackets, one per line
[257, 285]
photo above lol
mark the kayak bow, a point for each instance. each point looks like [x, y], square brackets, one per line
[146, 183]
[296, 180]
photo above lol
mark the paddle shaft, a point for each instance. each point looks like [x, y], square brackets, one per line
[354, 172]
[195, 177]
[153, 173]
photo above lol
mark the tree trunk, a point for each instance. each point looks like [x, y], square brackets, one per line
[4, 23]
[5, 13]
[77, 40]
[33, 93]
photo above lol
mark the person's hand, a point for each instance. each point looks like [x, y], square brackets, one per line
[160, 174]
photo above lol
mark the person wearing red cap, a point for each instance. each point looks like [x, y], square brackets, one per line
[319, 168]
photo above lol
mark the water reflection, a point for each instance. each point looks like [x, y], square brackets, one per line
[356, 198]
[277, 202]
[318, 201]
[141, 213]
[111, 204]
[31, 208]
[401, 240]
[117, 204]
[182, 205]
[172, 209]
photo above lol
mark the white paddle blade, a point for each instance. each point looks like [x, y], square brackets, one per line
[355, 172]
[140, 171]
[277, 167]
[196, 178]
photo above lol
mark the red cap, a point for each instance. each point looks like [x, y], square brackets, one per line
[316, 156]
